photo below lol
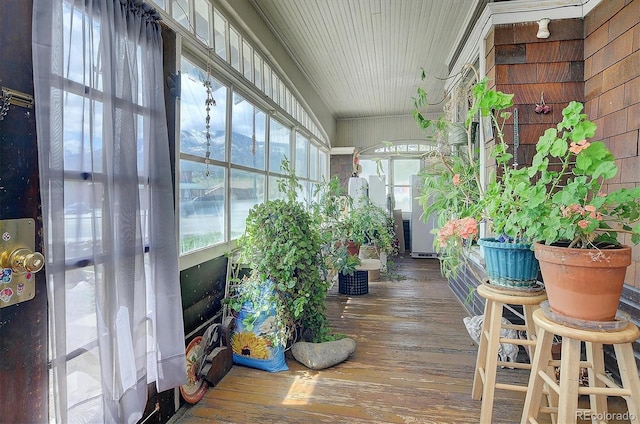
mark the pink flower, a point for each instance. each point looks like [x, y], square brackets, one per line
[579, 146]
[583, 223]
[456, 180]
[574, 209]
[468, 228]
[464, 228]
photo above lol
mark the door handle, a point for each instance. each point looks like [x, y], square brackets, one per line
[22, 260]
[18, 261]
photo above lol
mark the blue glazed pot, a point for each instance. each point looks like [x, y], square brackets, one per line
[510, 265]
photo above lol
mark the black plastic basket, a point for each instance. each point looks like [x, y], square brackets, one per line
[354, 285]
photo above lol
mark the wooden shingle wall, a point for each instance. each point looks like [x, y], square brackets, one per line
[612, 91]
[517, 62]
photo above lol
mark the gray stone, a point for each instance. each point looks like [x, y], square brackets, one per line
[318, 356]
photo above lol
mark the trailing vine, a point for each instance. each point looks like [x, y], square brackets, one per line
[282, 244]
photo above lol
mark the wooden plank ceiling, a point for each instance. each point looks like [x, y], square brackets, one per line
[364, 56]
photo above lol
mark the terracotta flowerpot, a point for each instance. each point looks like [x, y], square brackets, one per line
[584, 284]
[353, 248]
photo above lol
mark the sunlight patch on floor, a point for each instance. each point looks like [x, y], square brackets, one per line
[301, 389]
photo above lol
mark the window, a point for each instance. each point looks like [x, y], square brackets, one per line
[257, 71]
[322, 165]
[234, 46]
[275, 87]
[202, 205]
[370, 167]
[202, 187]
[267, 80]
[247, 61]
[302, 148]
[313, 163]
[193, 113]
[279, 145]
[403, 169]
[203, 11]
[273, 188]
[220, 32]
[180, 12]
[247, 134]
[205, 22]
[247, 190]
[218, 183]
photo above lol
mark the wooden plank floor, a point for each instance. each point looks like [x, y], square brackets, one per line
[414, 363]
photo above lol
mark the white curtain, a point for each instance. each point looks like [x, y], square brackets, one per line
[115, 309]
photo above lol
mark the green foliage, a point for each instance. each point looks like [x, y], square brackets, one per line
[561, 196]
[370, 224]
[365, 224]
[448, 202]
[451, 185]
[331, 200]
[282, 243]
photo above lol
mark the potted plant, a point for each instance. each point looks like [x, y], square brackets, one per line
[453, 191]
[329, 207]
[560, 205]
[370, 225]
[282, 244]
[346, 228]
[578, 224]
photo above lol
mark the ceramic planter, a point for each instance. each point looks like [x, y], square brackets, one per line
[583, 284]
[352, 247]
[510, 265]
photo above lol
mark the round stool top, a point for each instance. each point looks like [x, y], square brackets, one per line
[368, 265]
[628, 334]
[510, 297]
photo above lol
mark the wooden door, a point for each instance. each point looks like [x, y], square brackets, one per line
[23, 326]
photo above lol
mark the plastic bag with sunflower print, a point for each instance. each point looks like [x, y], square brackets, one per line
[255, 345]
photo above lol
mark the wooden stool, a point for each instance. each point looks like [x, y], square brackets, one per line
[484, 380]
[600, 386]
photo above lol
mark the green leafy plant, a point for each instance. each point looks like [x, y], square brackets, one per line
[331, 201]
[452, 189]
[562, 197]
[282, 243]
[341, 223]
[370, 224]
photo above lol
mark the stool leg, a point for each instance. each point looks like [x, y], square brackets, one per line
[630, 379]
[552, 395]
[490, 370]
[539, 363]
[531, 328]
[569, 375]
[596, 358]
[481, 359]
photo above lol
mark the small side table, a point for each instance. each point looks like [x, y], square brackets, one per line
[568, 390]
